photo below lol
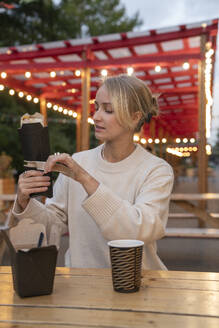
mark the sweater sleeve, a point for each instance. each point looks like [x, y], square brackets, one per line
[54, 212]
[145, 219]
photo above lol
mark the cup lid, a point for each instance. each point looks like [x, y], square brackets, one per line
[124, 243]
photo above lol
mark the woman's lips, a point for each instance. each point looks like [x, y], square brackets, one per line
[99, 128]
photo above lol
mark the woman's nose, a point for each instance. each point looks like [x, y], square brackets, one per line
[97, 116]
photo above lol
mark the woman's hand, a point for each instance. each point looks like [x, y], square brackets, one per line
[78, 173]
[31, 182]
[74, 169]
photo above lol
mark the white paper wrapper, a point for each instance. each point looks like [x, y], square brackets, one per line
[34, 118]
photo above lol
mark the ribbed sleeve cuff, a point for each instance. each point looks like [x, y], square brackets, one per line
[32, 210]
[101, 205]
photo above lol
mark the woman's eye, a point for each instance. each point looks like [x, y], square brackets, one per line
[109, 111]
[96, 106]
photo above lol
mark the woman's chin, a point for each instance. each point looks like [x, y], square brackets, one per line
[99, 137]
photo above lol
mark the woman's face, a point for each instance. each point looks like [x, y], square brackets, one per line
[107, 127]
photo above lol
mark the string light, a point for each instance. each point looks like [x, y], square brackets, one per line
[29, 97]
[157, 68]
[104, 72]
[157, 141]
[3, 75]
[143, 141]
[178, 140]
[186, 65]
[136, 138]
[192, 140]
[130, 70]
[90, 120]
[150, 140]
[209, 99]
[52, 74]
[11, 92]
[185, 140]
[48, 105]
[164, 140]
[174, 152]
[20, 94]
[27, 75]
[208, 149]
[77, 73]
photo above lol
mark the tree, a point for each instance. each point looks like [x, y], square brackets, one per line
[35, 21]
[42, 20]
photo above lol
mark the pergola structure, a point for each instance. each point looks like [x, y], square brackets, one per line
[176, 62]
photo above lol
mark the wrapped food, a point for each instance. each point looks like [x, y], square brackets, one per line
[34, 138]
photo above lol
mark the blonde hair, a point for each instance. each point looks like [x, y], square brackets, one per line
[130, 95]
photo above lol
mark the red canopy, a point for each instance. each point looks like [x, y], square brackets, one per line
[169, 48]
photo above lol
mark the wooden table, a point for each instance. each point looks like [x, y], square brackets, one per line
[85, 298]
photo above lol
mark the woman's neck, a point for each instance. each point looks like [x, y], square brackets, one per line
[117, 152]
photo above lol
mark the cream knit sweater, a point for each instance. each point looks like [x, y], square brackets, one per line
[131, 202]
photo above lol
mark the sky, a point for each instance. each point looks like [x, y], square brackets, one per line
[165, 13]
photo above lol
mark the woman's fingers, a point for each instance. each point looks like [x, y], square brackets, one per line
[58, 158]
[32, 181]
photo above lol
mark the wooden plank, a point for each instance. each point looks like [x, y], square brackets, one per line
[53, 317]
[163, 274]
[185, 297]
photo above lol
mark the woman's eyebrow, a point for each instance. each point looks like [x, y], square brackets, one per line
[104, 103]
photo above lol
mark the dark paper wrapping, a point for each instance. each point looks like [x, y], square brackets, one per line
[35, 145]
[33, 270]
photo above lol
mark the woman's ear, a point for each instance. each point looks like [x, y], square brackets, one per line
[137, 116]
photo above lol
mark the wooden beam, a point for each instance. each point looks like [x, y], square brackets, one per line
[85, 127]
[202, 157]
[152, 128]
[43, 109]
[78, 133]
[160, 135]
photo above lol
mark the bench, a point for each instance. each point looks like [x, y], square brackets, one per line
[192, 232]
[189, 215]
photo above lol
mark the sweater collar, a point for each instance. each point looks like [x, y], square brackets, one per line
[122, 165]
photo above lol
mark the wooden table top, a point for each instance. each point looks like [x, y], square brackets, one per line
[85, 298]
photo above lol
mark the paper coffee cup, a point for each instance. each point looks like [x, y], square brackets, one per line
[126, 261]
